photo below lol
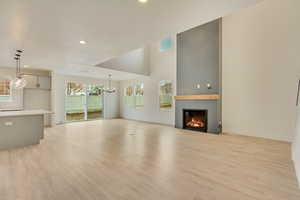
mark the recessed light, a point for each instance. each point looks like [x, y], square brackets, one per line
[82, 42]
[143, 1]
[26, 66]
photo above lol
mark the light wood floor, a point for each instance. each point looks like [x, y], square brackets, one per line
[127, 160]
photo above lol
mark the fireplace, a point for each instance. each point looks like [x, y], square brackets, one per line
[195, 120]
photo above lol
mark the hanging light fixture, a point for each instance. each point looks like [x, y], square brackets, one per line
[110, 89]
[19, 82]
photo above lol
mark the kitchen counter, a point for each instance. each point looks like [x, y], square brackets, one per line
[21, 128]
[23, 113]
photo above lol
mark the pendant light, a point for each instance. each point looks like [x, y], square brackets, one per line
[110, 89]
[19, 82]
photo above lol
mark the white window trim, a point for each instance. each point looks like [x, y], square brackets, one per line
[16, 99]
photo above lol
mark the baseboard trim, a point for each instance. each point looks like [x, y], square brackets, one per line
[266, 138]
[156, 123]
[296, 167]
[297, 170]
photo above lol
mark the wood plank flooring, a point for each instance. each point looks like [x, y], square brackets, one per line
[128, 160]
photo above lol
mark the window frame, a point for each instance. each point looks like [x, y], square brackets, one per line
[16, 97]
[10, 90]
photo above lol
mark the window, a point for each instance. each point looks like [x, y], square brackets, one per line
[75, 89]
[139, 95]
[165, 94]
[75, 102]
[129, 96]
[134, 96]
[83, 102]
[166, 44]
[10, 99]
[5, 91]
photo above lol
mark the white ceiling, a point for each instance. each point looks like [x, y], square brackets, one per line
[50, 30]
[136, 61]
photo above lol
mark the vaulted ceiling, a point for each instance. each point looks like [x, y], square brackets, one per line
[50, 30]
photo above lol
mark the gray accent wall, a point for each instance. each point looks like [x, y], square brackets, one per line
[198, 59]
[198, 63]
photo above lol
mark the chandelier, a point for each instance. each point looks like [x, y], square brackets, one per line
[19, 82]
[110, 89]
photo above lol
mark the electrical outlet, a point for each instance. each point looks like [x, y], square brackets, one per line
[9, 123]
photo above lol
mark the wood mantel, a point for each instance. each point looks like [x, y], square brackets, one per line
[198, 97]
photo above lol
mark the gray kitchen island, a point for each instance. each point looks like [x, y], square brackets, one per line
[21, 128]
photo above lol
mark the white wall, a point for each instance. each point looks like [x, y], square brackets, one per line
[111, 101]
[162, 67]
[261, 49]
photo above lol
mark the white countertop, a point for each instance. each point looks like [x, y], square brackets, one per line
[23, 113]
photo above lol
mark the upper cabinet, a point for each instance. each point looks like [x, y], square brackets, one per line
[38, 82]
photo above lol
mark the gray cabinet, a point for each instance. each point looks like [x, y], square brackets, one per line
[38, 82]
